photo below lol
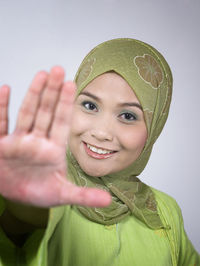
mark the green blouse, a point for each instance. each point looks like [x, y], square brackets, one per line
[72, 240]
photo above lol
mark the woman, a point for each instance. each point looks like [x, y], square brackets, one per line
[121, 105]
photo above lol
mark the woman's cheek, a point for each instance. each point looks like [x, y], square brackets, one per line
[134, 138]
[79, 123]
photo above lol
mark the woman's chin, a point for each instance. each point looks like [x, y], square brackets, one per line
[95, 172]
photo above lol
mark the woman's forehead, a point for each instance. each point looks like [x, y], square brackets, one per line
[112, 85]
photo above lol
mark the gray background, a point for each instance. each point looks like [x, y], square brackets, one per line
[37, 34]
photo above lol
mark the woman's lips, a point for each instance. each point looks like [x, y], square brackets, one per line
[97, 153]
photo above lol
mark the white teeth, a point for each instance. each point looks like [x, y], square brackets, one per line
[99, 151]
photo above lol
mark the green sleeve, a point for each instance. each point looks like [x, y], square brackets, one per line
[32, 253]
[187, 254]
[182, 251]
[7, 248]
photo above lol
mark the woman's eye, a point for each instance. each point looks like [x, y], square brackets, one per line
[128, 117]
[89, 106]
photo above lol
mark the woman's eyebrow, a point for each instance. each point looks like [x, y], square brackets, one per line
[131, 104]
[121, 104]
[90, 95]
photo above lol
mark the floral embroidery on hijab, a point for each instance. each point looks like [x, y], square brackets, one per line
[149, 70]
[150, 203]
[148, 114]
[85, 71]
[169, 95]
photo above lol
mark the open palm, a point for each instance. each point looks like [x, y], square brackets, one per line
[33, 158]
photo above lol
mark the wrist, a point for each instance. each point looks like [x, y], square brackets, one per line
[31, 215]
[2, 205]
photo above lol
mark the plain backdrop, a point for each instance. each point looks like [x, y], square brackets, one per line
[37, 34]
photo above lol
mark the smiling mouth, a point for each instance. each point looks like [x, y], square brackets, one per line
[98, 150]
[98, 153]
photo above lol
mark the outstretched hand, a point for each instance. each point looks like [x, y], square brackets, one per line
[33, 166]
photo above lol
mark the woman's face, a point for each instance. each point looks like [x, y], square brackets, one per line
[108, 130]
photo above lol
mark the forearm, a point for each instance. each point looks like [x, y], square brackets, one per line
[18, 219]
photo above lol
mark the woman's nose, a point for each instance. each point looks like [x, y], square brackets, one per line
[102, 130]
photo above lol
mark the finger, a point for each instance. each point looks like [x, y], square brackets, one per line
[31, 102]
[64, 192]
[91, 197]
[61, 123]
[48, 101]
[4, 101]
[48, 193]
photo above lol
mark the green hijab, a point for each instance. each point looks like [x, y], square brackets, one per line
[149, 75]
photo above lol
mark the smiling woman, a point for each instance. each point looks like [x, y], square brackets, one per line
[122, 102]
[108, 130]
